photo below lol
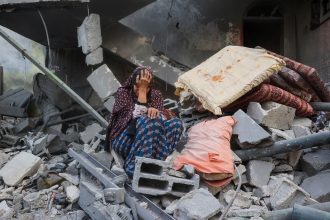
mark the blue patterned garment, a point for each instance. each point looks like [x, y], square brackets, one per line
[154, 138]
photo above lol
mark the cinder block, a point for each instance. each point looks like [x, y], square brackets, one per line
[103, 82]
[89, 33]
[151, 177]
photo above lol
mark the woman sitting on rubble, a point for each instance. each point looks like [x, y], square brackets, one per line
[139, 124]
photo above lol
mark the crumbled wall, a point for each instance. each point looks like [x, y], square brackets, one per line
[18, 71]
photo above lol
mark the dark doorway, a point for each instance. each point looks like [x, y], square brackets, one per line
[263, 26]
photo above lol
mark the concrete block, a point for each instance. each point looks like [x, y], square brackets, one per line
[300, 131]
[89, 34]
[294, 157]
[95, 57]
[74, 179]
[282, 168]
[109, 103]
[305, 122]
[199, 204]
[151, 177]
[104, 82]
[316, 161]
[271, 114]
[22, 165]
[253, 211]
[248, 132]
[90, 132]
[5, 211]
[3, 158]
[242, 200]
[35, 200]
[318, 186]
[72, 193]
[258, 172]
[114, 195]
[36, 144]
[279, 135]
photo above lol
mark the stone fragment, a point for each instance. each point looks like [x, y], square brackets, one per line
[90, 132]
[176, 173]
[36, 143]
[72, 168]
[74, 179]
[89, 34]
[282, 168]
[167, 200]
[5, 211]
[22, 165]
[72, 193]
[3, 158]
[189, 170]
[258, 172]
[242, 200]
[248, 132]
[318, 186]
[170, 209]
[316, 161]
[104, 82]
[95, 57]
[279, 135]
[74, 215]
[198, 204]
[305, 122]
[301, 131]
[109, 103]
[271, 114]
[253, 211]
[35, 200]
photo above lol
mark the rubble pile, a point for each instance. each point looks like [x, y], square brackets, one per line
[267, 161]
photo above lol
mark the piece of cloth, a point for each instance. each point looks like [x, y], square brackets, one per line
[296, 79]
[124, 106]
[228, 75]
[155, 138]
[139, 110]
[208, 148]
[280, 82]
[309, 74]
[267, 92]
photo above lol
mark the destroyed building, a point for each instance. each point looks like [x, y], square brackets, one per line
[248, 79]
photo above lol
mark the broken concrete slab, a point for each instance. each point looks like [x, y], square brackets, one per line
[90, 132]
[318, 186]
[95, 57]
[104, 82]
[243, 199]
[248, 132]
[35, 200]
[305, 122]
[253, 211]
[198, 205]
[278, 135]
[258, 172]
[22, 165]
[316, 161]
[89, 34]
[282, 168]
[271, 114]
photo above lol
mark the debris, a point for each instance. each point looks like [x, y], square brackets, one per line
[242, 200]
[258, 172]
[318, 186]
[305, 122]
[3, 158]
[253, 211]
[151, 177]
[35, 200]
[89, 34]
[248, 132]
[271, 114]
[5, 211]
[90, 132]
[282, 168]
[316, 161]
[95, 57]
[72, 193]
[197, 204]
[71, 178]
[22, 165]
[15, 102]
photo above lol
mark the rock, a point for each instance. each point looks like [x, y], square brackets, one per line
[258, 172]
[279, 135]
[22, 165]
[105, 158]
[72, 179]
[89, 34]
[294, 157]
[36, 143]
[248, 132]
[299, 177]
[49, 180]
[176, 173]
[318, 186]
[90, 132]
[35, 200]
[282, 168]
[198, 204]
[253, 211]
[189, 170]
[72, 168]
[6, 213]
[74, 215]
[72, 193]
[170, 209]
[316, 161]
[300, 131]
[271, 114]
[242, 200]
[167, 200]
[95, 57]
[305, 122]
[3, 158]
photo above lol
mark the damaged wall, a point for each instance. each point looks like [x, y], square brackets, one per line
[313, 45]
[18, 71]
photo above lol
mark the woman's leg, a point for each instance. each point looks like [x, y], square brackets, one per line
[122, 143]
[150, 135]
[173, 132]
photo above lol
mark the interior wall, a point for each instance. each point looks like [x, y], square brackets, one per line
[313, 45]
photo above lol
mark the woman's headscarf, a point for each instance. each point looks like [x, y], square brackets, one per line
[124, 105]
